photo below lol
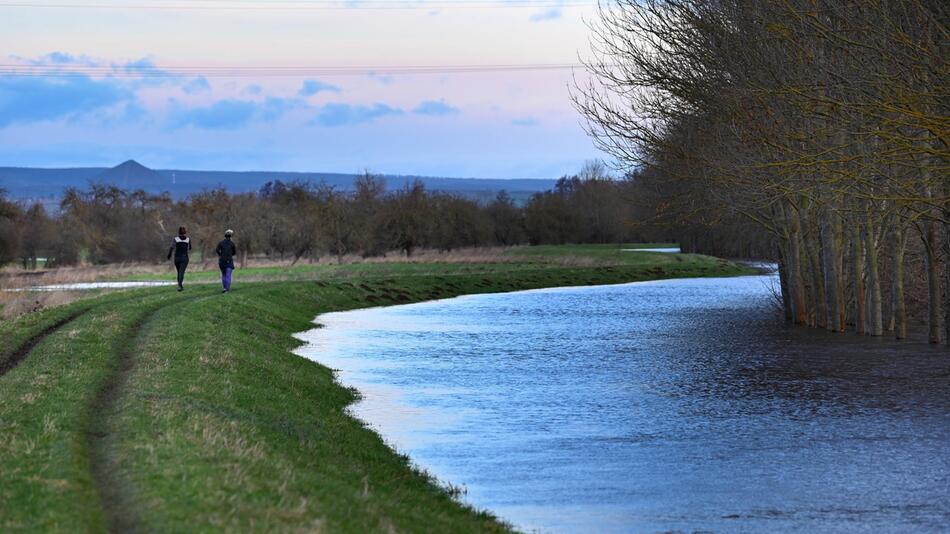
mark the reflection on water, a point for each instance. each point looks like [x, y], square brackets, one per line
[671, 405]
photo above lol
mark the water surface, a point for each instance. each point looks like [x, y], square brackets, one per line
[671, 250]
[84, 286]
[657, 406]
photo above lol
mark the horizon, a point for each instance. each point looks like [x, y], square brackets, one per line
[336, 173]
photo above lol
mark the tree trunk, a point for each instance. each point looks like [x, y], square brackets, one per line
[857, 262]
[875, 314]
[796, 282]
[946, 280]
[897, 292]
[946, 269]
[933, 282]
[783, 284]
[831, 245]
[819, 309]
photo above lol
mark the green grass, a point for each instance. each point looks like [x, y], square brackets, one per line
[609, 254]
[214, 424]
[514, 259]
[604, 252]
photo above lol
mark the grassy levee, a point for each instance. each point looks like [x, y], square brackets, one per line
[187, 412]
[45, 404]
[515, 259]
[20, 331]
[227, 430]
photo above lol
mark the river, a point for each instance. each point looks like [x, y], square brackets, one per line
[657, 406]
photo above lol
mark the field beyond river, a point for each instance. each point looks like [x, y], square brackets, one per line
[149, 409]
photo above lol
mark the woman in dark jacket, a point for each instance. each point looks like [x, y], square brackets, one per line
[180, 247]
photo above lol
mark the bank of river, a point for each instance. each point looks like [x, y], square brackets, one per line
[669, 405]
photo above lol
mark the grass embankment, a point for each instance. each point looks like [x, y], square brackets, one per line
[494, 261]
[186, 411]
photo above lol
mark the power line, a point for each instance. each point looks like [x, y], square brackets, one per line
[266, 71]
[297, 5]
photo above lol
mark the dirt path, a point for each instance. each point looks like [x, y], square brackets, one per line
[116, 493]
[119, 511]
[27, 347]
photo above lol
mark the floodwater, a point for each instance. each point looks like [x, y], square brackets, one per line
[677, 405]
[670, 250]
[84, 286]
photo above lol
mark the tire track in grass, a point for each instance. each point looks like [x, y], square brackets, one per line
[23, 352]
[117, 499]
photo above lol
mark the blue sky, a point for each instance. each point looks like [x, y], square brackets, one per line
[253, 85]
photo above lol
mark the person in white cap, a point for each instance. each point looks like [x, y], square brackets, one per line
[226, 252]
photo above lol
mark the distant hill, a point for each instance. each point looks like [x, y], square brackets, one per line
[47, 185]
[132, 175]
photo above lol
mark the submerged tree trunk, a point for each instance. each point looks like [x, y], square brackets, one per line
[795, 280]
[933, 282]
[898, 308]
[875, 316]
[783, 284]
[946, 280]
[946, 269]
[857, 263]
[832, 242]
[819, 310]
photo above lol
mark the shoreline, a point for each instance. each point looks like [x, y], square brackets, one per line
[389, 402]
[229, 393]
[216, 383]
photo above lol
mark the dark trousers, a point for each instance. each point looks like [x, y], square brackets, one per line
[180, 266]
[226, 269]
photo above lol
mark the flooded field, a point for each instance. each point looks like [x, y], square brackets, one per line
[85, 286]
[669, 405]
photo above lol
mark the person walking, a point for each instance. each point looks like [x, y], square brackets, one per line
[226, 252]
[180, 247]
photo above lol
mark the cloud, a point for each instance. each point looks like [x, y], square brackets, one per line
[140, 65]
[220, 115]
[232, 113]
[196, 85]
[56, 58]
[253, 89]
[66, 93]
[133, 111]
[62, 58]
[274, 108]
[548, 14]
[34, 99]
[59, 58]
[435, 108]
[526, 121]
[312, 87]
[338, 114]
[148, 74]
[384, 79]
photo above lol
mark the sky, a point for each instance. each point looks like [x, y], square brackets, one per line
[296, 85]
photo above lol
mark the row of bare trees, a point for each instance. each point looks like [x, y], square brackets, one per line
[823, 122]
[296, 220]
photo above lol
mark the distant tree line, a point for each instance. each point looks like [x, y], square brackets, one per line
[297, 220]
[817, 127]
